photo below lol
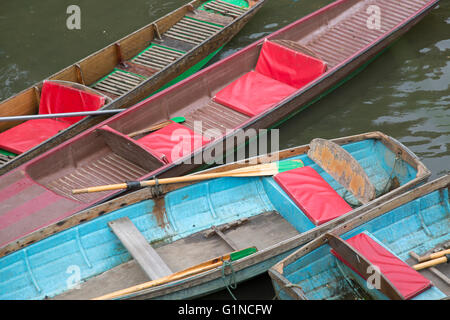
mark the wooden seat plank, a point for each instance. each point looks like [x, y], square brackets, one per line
[139, 248]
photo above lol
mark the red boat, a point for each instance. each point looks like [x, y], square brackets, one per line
[257, 87]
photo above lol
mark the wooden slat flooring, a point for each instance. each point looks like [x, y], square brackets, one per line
[214, 117]
[225, 8]
[157, 57]
[192, 31]
[119, 82]
[350, 35]
[109, 169]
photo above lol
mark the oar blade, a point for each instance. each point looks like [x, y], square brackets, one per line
[242, 253]
[286, 165]
[178, 119]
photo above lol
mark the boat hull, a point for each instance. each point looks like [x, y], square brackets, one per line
[422, 212]
[175, 231]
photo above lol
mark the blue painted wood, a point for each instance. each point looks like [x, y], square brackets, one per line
[418, 226]
[94, 249]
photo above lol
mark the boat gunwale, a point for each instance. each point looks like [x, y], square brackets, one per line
[85, 124]
[276, 272]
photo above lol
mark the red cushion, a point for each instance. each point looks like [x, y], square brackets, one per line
[288, 66]
[57, 98]
[312, 194]
[173, 141]
[253, 93]
[28, 134]
[408, 281]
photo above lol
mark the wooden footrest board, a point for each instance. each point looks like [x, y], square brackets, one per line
[139, 248]
[118, 82]
[192, 30]
[157, 57]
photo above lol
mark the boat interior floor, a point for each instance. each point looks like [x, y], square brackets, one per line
[349, 34]
[167, 47]
[439, 274]
[261, 231]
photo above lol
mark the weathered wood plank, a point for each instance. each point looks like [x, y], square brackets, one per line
[343, 167]
[142, 252]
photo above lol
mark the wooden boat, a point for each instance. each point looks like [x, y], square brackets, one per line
[105, 154]
[393, 236]
[180, 226]
[127, 71]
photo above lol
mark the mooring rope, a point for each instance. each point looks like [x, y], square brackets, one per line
[390, 176]
[232, 284]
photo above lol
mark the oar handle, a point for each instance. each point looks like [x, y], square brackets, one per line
[431, 263]
[173, 277]
[148, 129]
[268, 169]
[101, 188]
[60, 115]
[434, 255]
[147, 183]
[202, 267]
[157, 126]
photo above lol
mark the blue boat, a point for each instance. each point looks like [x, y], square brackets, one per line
[405, 230]
[156, 232]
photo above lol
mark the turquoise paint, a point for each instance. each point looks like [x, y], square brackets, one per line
[322, 276]
[95, 249]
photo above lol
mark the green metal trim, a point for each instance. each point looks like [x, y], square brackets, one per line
[287, 165]
[7, 153]
[242, 253]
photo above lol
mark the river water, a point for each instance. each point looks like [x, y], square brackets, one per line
[404, 93]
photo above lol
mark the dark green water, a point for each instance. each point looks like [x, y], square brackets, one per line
[404, 93]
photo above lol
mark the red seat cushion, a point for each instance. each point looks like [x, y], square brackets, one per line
[312, 194]
[173, 141]
[28, 134]
[253, 93]
[408, 281]
[288, 66]
[58, 98]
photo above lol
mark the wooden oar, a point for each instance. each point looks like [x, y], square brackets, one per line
[431, 263]
[202, 267]
[60, 115]
[266, 169]
[434, 255]
[157, 126]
